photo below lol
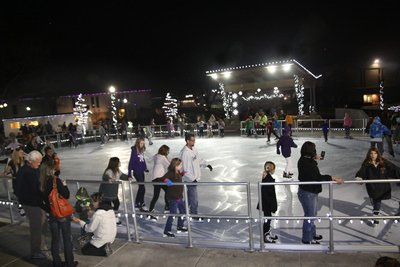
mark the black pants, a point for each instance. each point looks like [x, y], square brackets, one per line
[157, 189]
[326, 136]
[139, 201]
[89, 249]
[267, 224]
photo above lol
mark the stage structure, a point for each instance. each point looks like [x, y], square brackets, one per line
[279, 80]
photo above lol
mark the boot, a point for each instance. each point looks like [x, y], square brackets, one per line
[376, 213]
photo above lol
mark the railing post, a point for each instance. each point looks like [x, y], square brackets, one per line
[312, 127]
[9, 199]
[331, 246]
[260, 216]
[135, 226]
[58, 141]
[187, 211]
[126, 212]
[251, 242]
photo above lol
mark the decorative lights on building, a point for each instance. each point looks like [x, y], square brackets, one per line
[299, 88]
[381, 103]
[82, 112]
[113, 107]
[275, 94]
[170, 107]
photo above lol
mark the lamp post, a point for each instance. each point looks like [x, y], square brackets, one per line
[112, 91]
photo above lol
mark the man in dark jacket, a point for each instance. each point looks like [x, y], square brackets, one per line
[30, 197]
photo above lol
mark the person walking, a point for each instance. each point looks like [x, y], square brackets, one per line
[160, 167]
[136, 169]
[347, 123]
[286, 143]
[308, 193]
[375, 167]
[192, 163]
[175, 196]
[325, 130]
[377, 131]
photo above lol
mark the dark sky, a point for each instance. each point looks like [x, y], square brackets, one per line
[78, 47]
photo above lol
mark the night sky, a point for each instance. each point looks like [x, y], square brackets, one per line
[75, 47]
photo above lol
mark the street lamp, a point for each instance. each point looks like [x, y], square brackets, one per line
[112, 90]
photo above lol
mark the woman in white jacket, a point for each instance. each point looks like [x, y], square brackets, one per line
[102, 225]
[160, 166]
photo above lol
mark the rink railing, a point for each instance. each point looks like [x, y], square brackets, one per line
[313, 126]
[130, 214]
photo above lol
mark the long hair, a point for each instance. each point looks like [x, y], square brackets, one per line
[16, 159]
[308, 150]
[174, 162]
[47, 170]
[379, 158]
[163, 150]
[113, 165]
[137, 146]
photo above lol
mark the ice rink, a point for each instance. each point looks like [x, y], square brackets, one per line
[241, 159]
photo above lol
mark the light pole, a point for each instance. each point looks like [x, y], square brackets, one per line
[112, 90]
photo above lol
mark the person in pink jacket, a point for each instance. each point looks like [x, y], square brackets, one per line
[347, 122]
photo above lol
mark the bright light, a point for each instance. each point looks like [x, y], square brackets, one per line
[240, 93]
[286, 67]
[258, 90]
[234, 96]
[271, 69]
[227, 74]
[235, 104]
[125, 100]
[188, 96]
[214, 76]
[28, 108]
[1, 106]
[5, 105]
[111, 89]
[376, 61]
[235, 112]
[285, 98]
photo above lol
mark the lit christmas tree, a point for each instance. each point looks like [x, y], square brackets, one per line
[81, 112]
[170, 107]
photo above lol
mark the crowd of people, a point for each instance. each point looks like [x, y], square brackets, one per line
[38, 171]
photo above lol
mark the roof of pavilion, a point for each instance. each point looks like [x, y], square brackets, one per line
[270, 74]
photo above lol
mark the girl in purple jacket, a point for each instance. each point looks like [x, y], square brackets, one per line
[286, 143]
[137, 167]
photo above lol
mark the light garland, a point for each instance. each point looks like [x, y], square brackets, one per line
[299, 88]
[227, 102]
[113, 111]
[275, 94]
[395, 108]
[170, 107]
[381, 103]
[82, 112]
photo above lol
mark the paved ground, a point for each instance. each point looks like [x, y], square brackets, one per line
[14, 251]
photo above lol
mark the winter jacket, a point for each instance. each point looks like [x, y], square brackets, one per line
[137, 162]
[191, 164]
[160, 166]
[347, 121]
[377, 129]
[103, 225]
[325, 127]
[387, 170]
[309, 172]
[268, 195]
[285, 142]
[28, 186]
[175, 191]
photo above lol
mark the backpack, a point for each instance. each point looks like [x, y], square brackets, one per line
[59, 206]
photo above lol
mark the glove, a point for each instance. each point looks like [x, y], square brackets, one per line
[210, 167]
[278, 152]
[168, 182]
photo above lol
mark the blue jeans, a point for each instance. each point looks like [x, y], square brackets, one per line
[192, 198]
[139, 201]
[175, 205]
[63, 226]
[309, 201]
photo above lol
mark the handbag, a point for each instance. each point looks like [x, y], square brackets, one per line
[59, 206]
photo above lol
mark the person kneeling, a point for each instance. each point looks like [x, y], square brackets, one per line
[102, 225]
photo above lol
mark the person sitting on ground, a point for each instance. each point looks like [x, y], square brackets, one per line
[103, 225]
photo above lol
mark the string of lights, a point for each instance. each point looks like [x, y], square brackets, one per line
[81, 112]
[299, 88]
[275, 94]
[381, 103]
[170, 107]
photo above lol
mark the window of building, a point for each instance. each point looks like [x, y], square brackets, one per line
[372, 99]
[15, 125]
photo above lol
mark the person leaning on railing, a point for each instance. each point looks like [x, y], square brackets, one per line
[308, 193]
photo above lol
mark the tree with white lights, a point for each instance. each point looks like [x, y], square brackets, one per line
[170, 107]
[81, 112]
